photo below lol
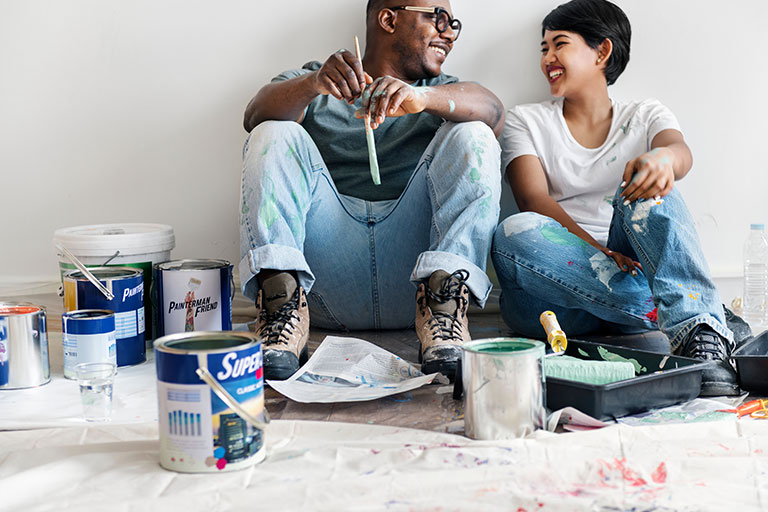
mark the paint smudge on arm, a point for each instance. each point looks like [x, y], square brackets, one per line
[451, 106]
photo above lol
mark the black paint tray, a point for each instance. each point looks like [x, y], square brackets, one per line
[679, 381]
[752, 363]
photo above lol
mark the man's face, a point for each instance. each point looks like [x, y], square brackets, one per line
[420, 49]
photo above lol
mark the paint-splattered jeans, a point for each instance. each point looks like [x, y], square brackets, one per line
[358, 259]
[541, 266]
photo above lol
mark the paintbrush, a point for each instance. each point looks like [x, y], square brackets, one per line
[372, 160]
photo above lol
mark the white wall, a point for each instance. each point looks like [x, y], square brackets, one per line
[131, 111]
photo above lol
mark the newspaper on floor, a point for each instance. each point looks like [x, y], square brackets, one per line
[350, 370]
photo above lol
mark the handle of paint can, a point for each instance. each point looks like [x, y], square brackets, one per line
[71, 257]
[205, 376]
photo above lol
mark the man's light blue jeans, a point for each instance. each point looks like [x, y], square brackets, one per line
[357, 259]
[542, 266]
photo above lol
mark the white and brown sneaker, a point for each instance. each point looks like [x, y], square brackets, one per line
[283, 325]
[441, 321]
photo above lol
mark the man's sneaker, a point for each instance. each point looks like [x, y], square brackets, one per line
[441, 321]
[740, 329]
[283, 325]
[718, 378]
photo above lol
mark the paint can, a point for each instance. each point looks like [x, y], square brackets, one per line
[88, 336]
[503, 384]
[23, 346]
[193, 295]
[135, 245]
[210, 395]
[127, 285]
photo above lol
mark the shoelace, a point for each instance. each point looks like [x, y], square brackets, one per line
[279, 324]
[705, 345]
[444, 325]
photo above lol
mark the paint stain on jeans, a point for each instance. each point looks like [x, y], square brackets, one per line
[605, 268]
[561, 236]
[268, 213]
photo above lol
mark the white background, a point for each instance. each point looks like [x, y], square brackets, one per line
[131, 111]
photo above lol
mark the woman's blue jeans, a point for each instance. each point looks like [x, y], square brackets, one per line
[542, 266]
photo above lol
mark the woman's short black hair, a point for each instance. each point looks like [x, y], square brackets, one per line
[595, 21]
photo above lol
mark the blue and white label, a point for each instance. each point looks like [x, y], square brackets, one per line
[3, 340]
[129, 323]
[87, 348]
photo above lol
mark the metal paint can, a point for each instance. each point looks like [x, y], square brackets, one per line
[192, 295]
[127, 285]
[210, 395]
[23, 346]
[503, 382]
[88, 336]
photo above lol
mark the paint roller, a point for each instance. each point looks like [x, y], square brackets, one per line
[572, 368]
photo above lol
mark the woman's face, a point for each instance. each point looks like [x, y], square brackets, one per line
[569, 64]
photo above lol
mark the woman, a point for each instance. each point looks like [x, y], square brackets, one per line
[605, 239]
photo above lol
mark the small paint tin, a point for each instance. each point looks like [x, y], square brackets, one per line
[192, 295]
[127, 285]
[208, 426]
[503, 382]
[88, 336]
[23, 346]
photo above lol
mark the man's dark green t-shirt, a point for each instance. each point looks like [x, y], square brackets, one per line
[340, 137]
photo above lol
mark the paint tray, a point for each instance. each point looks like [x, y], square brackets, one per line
[678, 381]
[752, 363]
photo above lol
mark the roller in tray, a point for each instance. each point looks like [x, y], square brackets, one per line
[752, 363]
[660, 380]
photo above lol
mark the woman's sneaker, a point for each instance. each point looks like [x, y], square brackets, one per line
[718, 378]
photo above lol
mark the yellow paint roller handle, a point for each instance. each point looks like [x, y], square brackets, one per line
[555, 335]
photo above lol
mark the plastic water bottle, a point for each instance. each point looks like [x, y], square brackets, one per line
[756, 276]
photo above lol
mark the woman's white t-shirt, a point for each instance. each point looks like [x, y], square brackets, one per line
[583, 180]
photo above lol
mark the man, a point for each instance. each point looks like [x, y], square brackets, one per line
[318, 238]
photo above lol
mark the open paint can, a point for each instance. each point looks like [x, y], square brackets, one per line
[193, 295]
[503, 384]
[210, 394]
[23, 346]
[127, 286]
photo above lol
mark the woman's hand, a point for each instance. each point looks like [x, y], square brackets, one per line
[650, 175]
[625, 263]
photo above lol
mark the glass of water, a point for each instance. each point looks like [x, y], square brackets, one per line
[96, 380]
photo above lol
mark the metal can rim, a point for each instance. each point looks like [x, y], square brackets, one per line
[250, 340]
[129, 272]
[21, 304]
[536, 346]
[213, 265]
[98, 314]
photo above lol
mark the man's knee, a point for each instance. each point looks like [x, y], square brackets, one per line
[274, 130]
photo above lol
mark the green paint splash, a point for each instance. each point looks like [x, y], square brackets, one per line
[610, 356]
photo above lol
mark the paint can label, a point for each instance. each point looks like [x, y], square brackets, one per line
[193, 295]
[3, 351]
[88, 337]
[199, 432]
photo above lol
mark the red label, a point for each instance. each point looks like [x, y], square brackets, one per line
[18, 310]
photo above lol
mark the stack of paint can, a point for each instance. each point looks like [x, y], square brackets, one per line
[127, 286]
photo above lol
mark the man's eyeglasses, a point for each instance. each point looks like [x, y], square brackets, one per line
[442, 19]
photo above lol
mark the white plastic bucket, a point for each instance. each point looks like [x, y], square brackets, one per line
[125, 245]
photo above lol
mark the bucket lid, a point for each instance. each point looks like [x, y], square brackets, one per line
[106, 239]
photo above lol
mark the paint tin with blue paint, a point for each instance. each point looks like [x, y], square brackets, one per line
[88, 336]
[210, 394]
[127, 286]
[192, 295]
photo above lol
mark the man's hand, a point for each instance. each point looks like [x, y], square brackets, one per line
[389, 97]
[342, 77]
[649, 175]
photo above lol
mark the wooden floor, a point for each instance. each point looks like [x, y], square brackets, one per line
[430, 407]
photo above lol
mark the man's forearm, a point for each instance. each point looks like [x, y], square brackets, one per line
[281, 101]
[466, 101]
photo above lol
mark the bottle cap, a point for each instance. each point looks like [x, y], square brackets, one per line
[759, 227]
